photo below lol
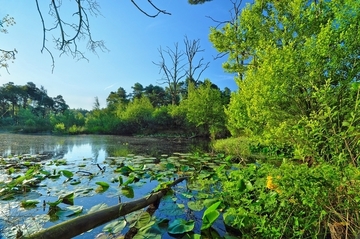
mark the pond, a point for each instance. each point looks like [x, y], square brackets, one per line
[87, 169]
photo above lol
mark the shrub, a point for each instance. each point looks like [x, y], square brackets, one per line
[59, 128]
[290, 201]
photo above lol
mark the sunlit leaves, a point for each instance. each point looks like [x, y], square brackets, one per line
[210, 215]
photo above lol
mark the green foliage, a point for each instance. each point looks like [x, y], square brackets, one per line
[138, 114]
[204, 108]
[297, 76]
[238, 147]
[210, 215]
[290, 201]
[59, 128]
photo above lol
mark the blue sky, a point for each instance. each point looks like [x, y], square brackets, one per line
[132, 39]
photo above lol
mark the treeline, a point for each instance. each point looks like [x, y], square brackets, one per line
[196, 111]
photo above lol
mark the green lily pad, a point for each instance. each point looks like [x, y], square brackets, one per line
[29, 203]
[195, 205]
[115, 226]
[67, 173]
[97, 207]
[180, 226]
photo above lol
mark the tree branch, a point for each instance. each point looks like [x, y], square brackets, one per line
[159, 11]
[78, 225]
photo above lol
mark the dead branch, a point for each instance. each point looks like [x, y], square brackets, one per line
[78, 225]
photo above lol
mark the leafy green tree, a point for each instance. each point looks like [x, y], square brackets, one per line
[157, 95]
[138, 90]
[297, 75]
[205, 109]
[115, 98]
[138, 114]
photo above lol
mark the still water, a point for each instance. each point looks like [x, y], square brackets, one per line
[97, 147]
[92, 150]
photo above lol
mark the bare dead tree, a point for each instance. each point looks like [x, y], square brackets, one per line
[192, 47]
[172, 74]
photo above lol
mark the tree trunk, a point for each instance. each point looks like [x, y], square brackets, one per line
[78, 225]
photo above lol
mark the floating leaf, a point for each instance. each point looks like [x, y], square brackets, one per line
[103, 184]
[172, 209]
[75, 181]
[125, 170]
[180, 226]
[97, 207]
[187, 195]
[143, 220]
[170, 166]
[195, 205]
[29, 203]
[67, 173]
[69, 211]
[115, 226]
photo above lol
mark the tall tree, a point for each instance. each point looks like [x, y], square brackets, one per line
[138, 90]
[116, 98]
[301, 81]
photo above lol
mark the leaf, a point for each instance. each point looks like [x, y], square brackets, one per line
[127, 192]
[195, 205]
[29, 203]
[115, 226]
[66, 173]
[129, 180]
[210, 215]
[170, 166]
[103, 184]
[97, 207]
[180, 226]
[249, 186]
[142, 220]
[241, 185]
[68, 199]
[191, 236]
[54, 204]
[70, 211]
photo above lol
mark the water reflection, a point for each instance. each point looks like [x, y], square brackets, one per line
[97, 147]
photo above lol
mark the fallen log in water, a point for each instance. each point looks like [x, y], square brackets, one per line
[78, 225]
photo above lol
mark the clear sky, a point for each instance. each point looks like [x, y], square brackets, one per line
[132, 39]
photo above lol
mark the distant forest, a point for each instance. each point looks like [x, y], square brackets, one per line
[198, 110]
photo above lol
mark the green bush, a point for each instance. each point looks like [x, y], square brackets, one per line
[59, 128]
[290, 201]
[237, 147]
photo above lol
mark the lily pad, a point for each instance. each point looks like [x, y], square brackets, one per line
[115, 226]
[180, 226]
